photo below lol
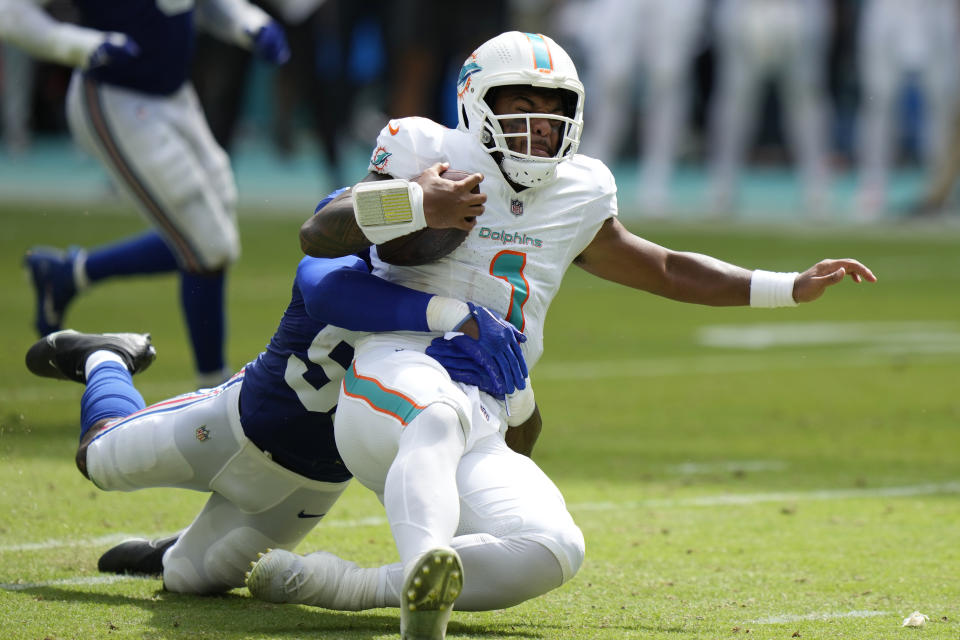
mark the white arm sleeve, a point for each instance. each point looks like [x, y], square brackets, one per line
[27, 26]
[233, 21]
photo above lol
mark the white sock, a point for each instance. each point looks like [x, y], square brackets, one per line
[97, 358]
[421, 499]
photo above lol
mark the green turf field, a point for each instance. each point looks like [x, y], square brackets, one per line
[737, 473]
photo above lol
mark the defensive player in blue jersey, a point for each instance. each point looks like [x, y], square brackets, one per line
[131, 105]
[261, 442]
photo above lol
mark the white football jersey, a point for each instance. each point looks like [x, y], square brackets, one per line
[514, 259]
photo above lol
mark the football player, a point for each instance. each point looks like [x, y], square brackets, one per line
[784, 41]
[897, 42]
[420, 443]
[656, 43]
[262, 442]
[131, 106]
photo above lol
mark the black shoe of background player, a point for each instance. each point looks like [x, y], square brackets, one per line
[63, 354]
[138, 555]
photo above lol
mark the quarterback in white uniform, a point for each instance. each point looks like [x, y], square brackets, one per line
[463, 509]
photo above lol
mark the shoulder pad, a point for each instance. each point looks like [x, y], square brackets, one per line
[407, 146]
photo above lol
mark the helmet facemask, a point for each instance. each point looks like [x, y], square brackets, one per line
[520, 164]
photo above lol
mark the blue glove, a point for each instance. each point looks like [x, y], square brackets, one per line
[497, 350]
[270, 43]
[464, 368]
[116, 52]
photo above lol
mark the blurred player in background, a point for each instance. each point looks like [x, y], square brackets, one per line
[901, 41]
[131, 106]
[757, 41]
[421, 444]
[16, 94]
[940, 187]
[656, 43]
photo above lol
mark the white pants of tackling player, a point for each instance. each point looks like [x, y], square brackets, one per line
[510, 512]
[195, 441]
[161, 153]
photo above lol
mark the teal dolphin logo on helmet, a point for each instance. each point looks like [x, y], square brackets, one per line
[469, 68]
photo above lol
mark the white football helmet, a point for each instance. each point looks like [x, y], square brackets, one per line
[526, 59]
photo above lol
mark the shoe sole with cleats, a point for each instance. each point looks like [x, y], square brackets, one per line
[429, 591]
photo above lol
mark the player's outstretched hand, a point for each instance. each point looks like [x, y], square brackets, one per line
[116, 51]
[270, 43]
[450, 203]
[811, 284]
[493, 361]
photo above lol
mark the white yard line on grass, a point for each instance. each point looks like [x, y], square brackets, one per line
[907, 335]
[784, 496]
[856, 357]
[694, 501]
[113, 538]
[727, 466]
[86, 580]
[818, 616]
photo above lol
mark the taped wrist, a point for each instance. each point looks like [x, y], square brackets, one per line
[446, 314]
[772, 289]
[388, 209]
[520, 404]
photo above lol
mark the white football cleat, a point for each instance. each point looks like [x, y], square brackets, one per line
[432, 584]
[317, 579]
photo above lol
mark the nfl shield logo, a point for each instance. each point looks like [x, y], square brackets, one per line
[203, 433]
[516, 207]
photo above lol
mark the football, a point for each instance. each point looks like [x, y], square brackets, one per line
[425, 245]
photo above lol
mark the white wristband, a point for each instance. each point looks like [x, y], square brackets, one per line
[446, 314]
[772, 289]
[388, 209]
[520, 405]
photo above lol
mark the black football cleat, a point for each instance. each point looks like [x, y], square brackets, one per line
[63, 354]
[138, 555]
[51, 273]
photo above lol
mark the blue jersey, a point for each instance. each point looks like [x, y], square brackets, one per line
[164, 31]
[290, 392]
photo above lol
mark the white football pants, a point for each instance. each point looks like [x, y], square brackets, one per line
[195, 441]
[432, 451]
[161, 153]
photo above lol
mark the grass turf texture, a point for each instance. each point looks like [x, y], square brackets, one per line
[797, 490]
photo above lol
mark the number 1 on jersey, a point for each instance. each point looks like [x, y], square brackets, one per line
[508, 265]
